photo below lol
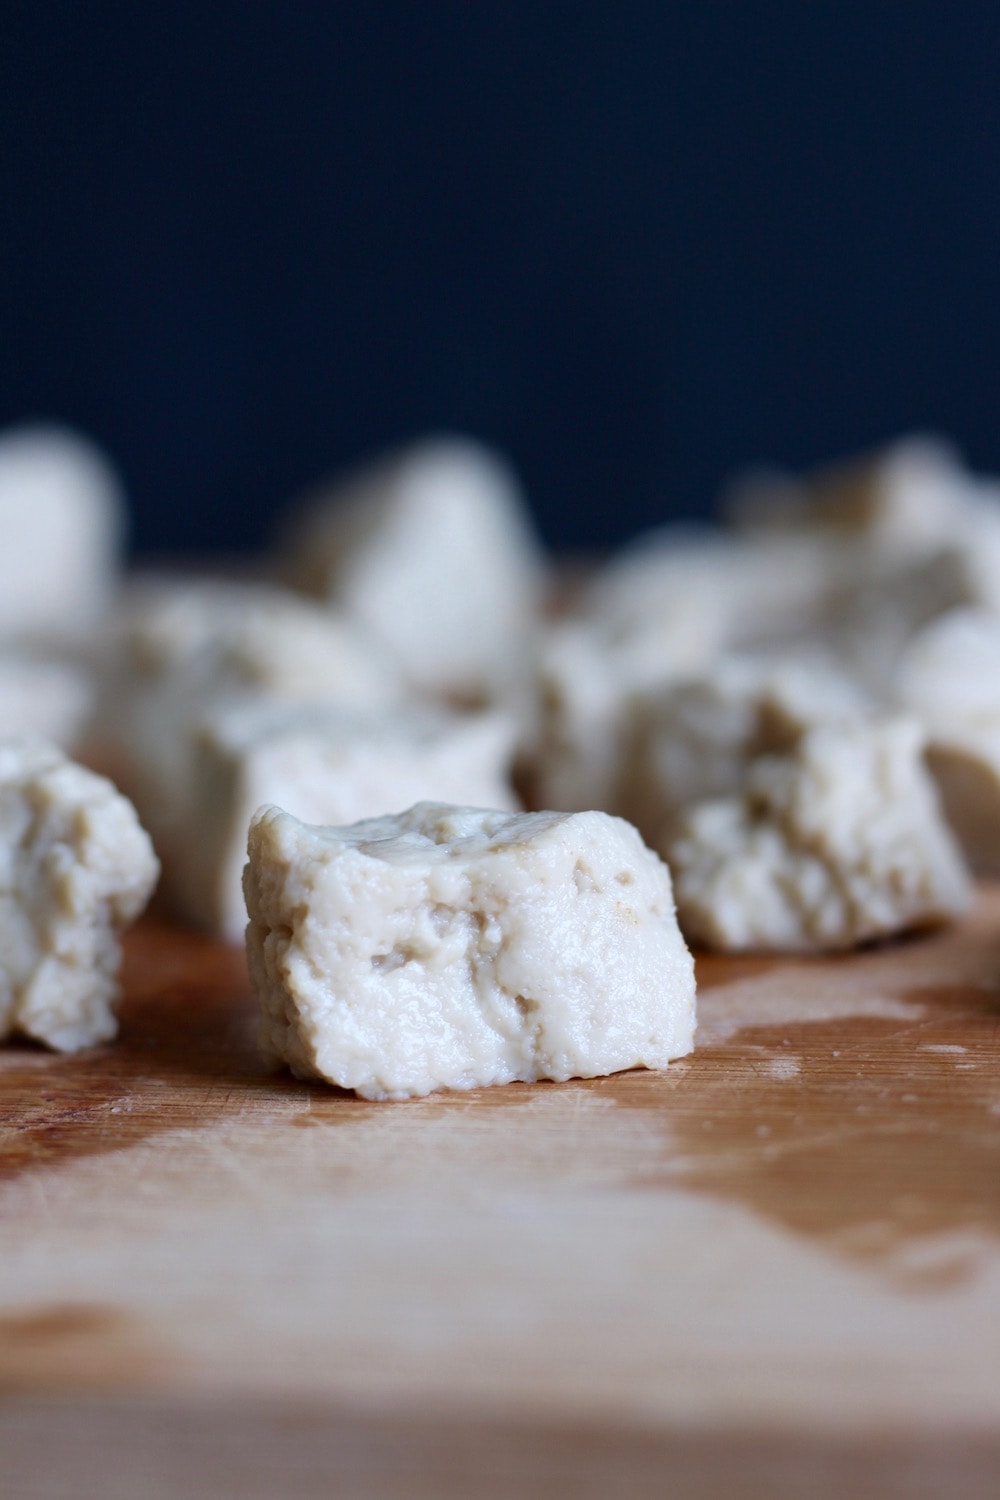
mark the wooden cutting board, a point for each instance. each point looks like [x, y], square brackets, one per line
[773, 1270]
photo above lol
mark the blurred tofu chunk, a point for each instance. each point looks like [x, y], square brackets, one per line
[43, 696]
[837, 843]
[697, 738]
[432, 551]
[62, 511]
[902, 501]
[949, 677]
[324, 766]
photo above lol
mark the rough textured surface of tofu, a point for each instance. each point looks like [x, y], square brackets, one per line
[62, 511]
[433, 551]
[76, 868]
[571, 755]
[837, 843]
[697, 738]
[451, 948]
[323, 766]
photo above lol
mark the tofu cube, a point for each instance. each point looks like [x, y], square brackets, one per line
[432, 550]
[62, 511]
[452, 947]
[76, 868]
[949, 676]
[834, 844]
[697, 738]
[43, 696]
[324, 766]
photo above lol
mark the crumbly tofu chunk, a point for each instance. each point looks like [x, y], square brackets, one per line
[570, 755]
[433, 552]
[180, 648]
[662, 615]
[949, 677]
[323, 766]
[221, 634]
[452, 948]
[697, 738]
[693, 594]
[62, 517]
[949, 673]
[870, 623]
[43, 697]
[839, 842]
[76, 868]
[902, 501]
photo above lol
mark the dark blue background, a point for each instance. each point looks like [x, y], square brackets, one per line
[634, 245]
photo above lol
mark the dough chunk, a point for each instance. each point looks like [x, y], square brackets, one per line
[452, 948]
[76, 868]
[323, 766]
[62, 514]
[837, 843]
[432, 551]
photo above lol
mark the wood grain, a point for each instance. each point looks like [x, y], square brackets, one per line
[772, 1270]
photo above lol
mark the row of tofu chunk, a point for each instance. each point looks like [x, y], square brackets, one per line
[799, 708]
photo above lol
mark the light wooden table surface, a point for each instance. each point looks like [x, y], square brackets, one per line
[773, 1270]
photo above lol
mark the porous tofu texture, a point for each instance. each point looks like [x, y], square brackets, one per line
[839, 842]
[453, 947]
[697, 738]
[76, 868]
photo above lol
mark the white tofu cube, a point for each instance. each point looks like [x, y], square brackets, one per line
[433, 552]
[834, 844]
[697, 738]
[179, 648]
[949, 676]
[903, 500]
[570, 755]
[323, 766]
[452, 948]
[43, 697]
[871, 622]
[76, 868]
[692, 594]
[62, 514]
